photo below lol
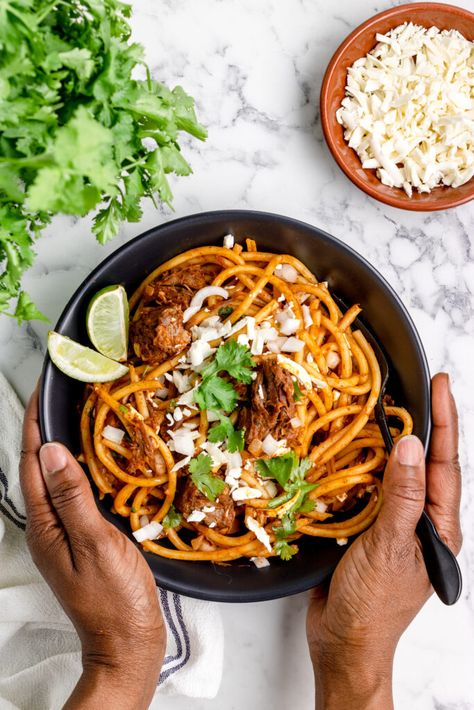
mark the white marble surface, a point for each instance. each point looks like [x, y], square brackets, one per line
[255, 68]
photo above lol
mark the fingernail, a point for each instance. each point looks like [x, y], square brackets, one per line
[409, 451]
[52, 458]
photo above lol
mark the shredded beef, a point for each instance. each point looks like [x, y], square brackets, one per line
[159, 333]
[189, 498]
[271, 406]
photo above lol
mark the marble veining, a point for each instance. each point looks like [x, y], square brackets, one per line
[255, 69]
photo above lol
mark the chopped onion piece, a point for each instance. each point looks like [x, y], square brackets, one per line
[333, 359]
[143, 520]
[148, 532]
[342, 540]
[287, 272]
[259, 532]
[111, 433]
[269, 445]
[163, 393]
[197, 516]
[296, 369]
[229, 241]
[307, 318]
[295, 422]
[320, 507]
[292, 345]
[181, 464]
[199, 298]
[260, 562]
[198, 352]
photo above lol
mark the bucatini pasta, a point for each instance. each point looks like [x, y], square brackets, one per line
[246, 420]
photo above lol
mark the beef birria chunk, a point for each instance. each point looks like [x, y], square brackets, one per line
[189, 498]
[159, 332]
[272, 405]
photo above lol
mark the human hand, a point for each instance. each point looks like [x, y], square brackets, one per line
[98, 575]
[354, 625]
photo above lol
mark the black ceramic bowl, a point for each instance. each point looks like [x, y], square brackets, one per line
[350, 277]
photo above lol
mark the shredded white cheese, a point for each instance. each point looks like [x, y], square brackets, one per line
[409, 108]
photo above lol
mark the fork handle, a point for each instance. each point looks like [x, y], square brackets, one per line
[441, 564]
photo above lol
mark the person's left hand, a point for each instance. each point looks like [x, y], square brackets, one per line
[98, 575]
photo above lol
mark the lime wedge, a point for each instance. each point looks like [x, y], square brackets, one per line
[107, 322]
[82, 363]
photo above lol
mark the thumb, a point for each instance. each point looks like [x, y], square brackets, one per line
[69, 490]
[403, 489]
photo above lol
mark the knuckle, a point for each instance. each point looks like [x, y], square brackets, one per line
[412, 492]
[66, 494]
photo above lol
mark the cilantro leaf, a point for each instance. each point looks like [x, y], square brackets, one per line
[297, 393]
[279, 467]
[200, 470]
[215, 393]
[172, 518]
[284, 550]
[286, 528]
[26, 309]
[225, 430]
[225, 311]
[233, 358]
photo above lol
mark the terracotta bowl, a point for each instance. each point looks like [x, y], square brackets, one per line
[357, 45]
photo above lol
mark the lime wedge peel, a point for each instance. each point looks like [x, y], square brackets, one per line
[107, 322]
[82, 363]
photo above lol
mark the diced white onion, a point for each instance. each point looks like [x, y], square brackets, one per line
[148, 532]
[342, 540]
[287, 272]
[199, 298]
[229, 241]
[270, 488]
[269, 445]
[307, 318]
[197, 516]
[198, 352]
[260, 562]
[259, 532]
[184, 442]
[292, 345]
[320, 507]
[181, 464]
[162, 393]
[333, 359]
[295, 422]
[111, 433]
[143, 520]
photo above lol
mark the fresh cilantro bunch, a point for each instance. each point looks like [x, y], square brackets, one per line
[72, 127]
[214, 392]
[290, 473]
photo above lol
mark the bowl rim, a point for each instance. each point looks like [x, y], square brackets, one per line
[395, 200]
[46, 411]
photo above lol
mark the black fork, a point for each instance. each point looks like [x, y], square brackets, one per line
[440, 562]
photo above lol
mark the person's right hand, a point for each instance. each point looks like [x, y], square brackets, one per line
[98, 575]
[354, 625]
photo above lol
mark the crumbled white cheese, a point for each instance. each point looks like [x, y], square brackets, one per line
[246, 493]
[409, 108]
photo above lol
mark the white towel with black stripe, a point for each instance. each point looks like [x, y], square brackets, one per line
[39, 650]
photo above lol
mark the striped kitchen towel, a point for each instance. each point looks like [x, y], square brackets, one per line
[39, 649]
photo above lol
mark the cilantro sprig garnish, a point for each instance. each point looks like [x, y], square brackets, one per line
[215, 393]
[172, 518]
[290, 473]
[200, 470]
[76, 130]
[225, 431]
[233, 358]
